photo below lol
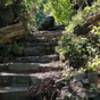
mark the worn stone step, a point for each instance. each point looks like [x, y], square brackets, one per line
[49, 37]
[15, 80]
[30, 67]
[11, 93]
[40, 43]
[30, 59]
[43, 36]
[47, 34]
[30, 51]
[38, 50]
[26, 80]
[16, 87]
[32, 39]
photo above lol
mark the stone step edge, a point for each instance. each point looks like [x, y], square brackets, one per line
[30, 67]
[51, 74]
[47, 34]
[26, 59]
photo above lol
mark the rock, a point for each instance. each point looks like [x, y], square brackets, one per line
[46, 90]
[79, 87]
[11, 33]
[47, 24]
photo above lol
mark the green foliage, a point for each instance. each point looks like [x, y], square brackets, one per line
[80, 18]
[6, 2]
[39, 17]
[39, 14]
[94, 65]
[60, 9]
[24, 10]
[13, 49]
[96, 30]
[80, 50]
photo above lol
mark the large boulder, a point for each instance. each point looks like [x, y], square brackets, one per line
[82, 86]
[47, 24]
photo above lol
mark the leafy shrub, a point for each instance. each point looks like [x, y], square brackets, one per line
[15, 50]
[81, 17]
[80, 49]
[60, 9]
[6, 2]
[39, 14]
[24, 10]
[94, 65]
[96, 30]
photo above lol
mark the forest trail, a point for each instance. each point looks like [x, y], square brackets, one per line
[37, 62]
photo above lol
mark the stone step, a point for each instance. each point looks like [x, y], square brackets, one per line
[31, 38]
[31, 41]
[9, 33]
[30, 59]
[47, 34]
[28, 51]
[38, 50]
[15, 80]
[40, 43]
[10, 93]
[30, 67]
[50, 37]
[42, 36]
[26, 79]
[17, 86]
[21, 50]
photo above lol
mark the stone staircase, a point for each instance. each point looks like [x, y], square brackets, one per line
[37, 61]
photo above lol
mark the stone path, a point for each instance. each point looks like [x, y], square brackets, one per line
[38, 61]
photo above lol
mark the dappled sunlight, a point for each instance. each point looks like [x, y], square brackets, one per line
[49, 49]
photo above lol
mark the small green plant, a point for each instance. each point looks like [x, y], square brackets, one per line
[94, 65]
[96, 30]
[15, 50]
